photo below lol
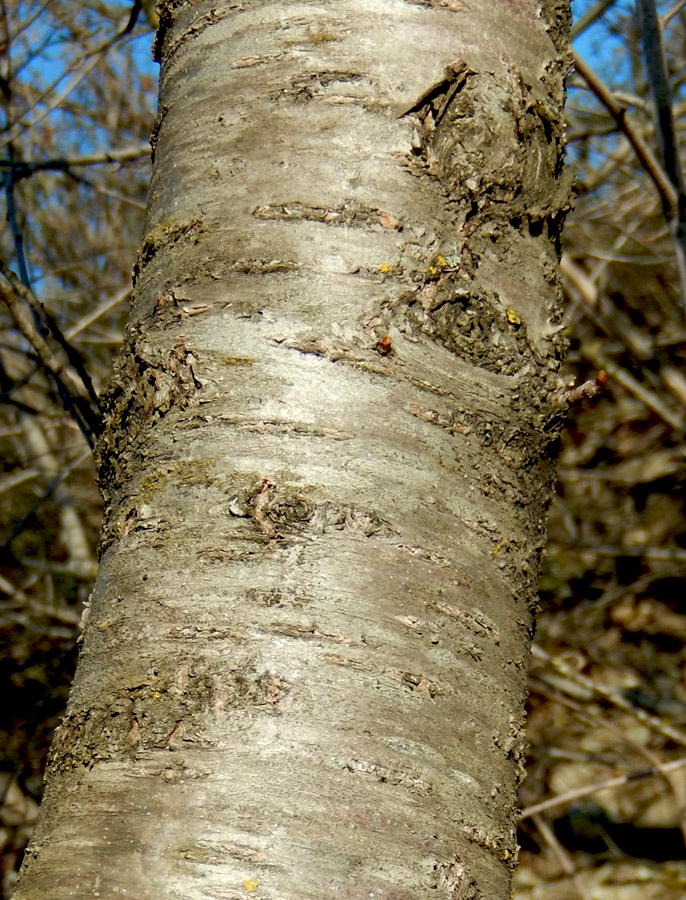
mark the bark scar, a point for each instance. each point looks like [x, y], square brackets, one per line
[440, 95]
[259, 504]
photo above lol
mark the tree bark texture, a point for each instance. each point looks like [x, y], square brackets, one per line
[326, 463]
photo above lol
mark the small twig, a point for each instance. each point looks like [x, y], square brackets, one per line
[27, 518]
[587, 290]
[13, 222]
[664, 554]
[106, 192]
[589, 17]
[645, 155]
[656, 69]
[78, 73]
[612, 696]
[25, 168]
[27, 313]
[13, 592]
[619, 374]
[16, 478]
[675, 10]
[100, 310]
[586, 790]
[561, 855]
[41, 315]
[82, 569]
[562, 399]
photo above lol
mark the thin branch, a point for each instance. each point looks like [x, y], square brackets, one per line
[25, 168]
[78, 563]
[100, 310]
[656, 68]
[41, 314]
[34, 322]
[589, 17]
[608, 784]
[663, 554]
[663, 728]
[107, 192]
[89, 61]
[654, 59]
[13, 222]
[645, 155]
[669, 15]
[562, 856]
[674, 418]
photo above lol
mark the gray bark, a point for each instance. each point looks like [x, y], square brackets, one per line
[326, 463]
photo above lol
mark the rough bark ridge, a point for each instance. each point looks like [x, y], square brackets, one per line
[325, 463]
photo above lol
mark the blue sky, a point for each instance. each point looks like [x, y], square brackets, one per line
[597, 44]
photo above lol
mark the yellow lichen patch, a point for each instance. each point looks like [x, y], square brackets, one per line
[152, 483]
[199, 855]
[441, 263]
[182, 471]
[251, 884]
[437, 265]
[513, 317]
[385, 268]
[237, 361]
[191, 471]
[323, 37]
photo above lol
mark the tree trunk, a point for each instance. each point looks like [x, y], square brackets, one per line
[325, 463]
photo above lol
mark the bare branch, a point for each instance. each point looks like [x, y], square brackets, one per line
[28, 313]
[24, 168]
[645, 155]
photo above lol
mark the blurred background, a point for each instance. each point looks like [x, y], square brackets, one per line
[604, 803]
